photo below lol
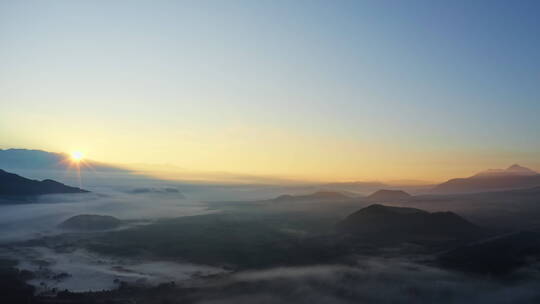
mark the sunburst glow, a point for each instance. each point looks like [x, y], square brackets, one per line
[76, 156]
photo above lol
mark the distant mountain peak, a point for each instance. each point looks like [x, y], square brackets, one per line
[515, 168]
[384, 194]
[329, 194]
[320, 195]
[378, 209]
[513, 177]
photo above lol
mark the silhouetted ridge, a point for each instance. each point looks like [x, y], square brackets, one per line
[518, 168]
[382, 209]
[512, 170]
[391, 223]
[513, 177]
[499, 255]
[355, 187]
[321, 195]
[13, 184]
[389, 195]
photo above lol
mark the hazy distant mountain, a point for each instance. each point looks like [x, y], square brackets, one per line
[13, 184]
[166, 190]
[17, 159]
[387, 223]
[91, 222]
[317, 196]
[357, 187]
[513, 177]
[502, 210]
[514, 170]
[389, 195]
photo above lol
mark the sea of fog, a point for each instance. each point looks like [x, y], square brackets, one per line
[131, 198]
[139, 203]
[125, 196]
[139, 200]
[81, 270]
[42, 215]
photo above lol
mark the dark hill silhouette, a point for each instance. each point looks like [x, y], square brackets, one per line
[317, 196]
[13, 184]
[398, 223]
[514, 177]
[496, 256]
[91, 222]
[389, 195]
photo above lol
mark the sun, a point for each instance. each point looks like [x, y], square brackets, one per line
[76, 156]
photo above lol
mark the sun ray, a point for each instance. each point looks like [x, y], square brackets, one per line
[77, 156]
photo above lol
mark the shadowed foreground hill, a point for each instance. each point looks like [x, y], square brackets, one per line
[220, 240]
[13, 184]
[397, 223]
[496, 256]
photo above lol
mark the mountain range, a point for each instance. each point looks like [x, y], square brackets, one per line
[22, 161]
[514, 170]
[317, 196]
[355, 187]
[13, 184]
[513, 177]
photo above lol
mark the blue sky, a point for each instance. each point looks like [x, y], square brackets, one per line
[322, 89]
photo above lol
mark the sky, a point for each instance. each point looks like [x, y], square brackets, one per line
[315, 90]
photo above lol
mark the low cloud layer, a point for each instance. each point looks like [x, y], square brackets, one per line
[81, 270]
[374, 280]
[29, 220]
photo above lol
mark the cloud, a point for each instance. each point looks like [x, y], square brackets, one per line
[84, 271]
[373, 280]
[29, 220]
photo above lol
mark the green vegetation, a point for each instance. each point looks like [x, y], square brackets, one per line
[225, 239]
